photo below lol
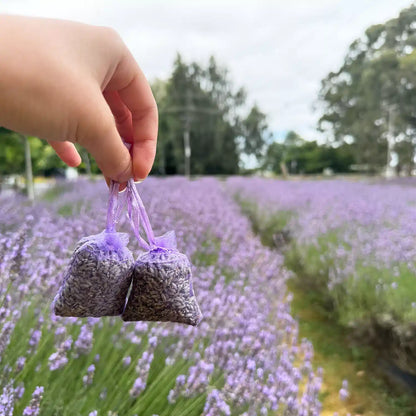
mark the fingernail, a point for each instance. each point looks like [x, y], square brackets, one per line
[122, 188]
[138, 180]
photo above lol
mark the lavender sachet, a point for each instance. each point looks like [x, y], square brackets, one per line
[162, 277]
[99, 273]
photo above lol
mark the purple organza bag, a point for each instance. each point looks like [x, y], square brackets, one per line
[99, 273]
[162, 277]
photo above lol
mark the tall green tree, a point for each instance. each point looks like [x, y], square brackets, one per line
[370, 101]
[44, 160]
[16, 145]
[201, 116]
[12, 157]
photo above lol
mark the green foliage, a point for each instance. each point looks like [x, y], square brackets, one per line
[203, 101]
[325, 317]
[370, 294]
[111, 381]
[12, 156]
[45, 162]
[313, 263]
[301, 156]
[199, 99]
[373, 294]
[254, 132]
[371, 98]
[267, 226]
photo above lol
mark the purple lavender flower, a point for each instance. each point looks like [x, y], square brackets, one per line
[240, 284]
[83, 344]
[7, 400]
[59, 358]
[343, 393]
[20, 363]
[88, 378]
[138, 386]
[35, 338]
[215, 405]
[5, 334]
[34, 408]
[126, 361]
[19, 391]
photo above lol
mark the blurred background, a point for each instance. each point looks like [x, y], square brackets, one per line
[306, 113]
[270, 87]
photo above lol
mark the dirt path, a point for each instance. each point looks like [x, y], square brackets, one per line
[370, 394]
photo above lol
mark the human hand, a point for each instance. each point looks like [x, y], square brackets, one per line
[68, 83]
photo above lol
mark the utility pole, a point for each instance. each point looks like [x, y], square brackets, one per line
[390, 172]
[187, 134]
[87, 162]
[187, 150]
[29, 174]
[188, 110]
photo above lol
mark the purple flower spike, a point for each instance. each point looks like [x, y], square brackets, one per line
[34, 408]
[7, 401]
[343, 393]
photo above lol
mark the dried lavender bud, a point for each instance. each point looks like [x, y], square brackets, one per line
[162, 289]
[98, 277]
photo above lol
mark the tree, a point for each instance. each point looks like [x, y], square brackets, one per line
[255, 132]
[10, 155]
[296, 155]
[202, 126]
[274, 157]
[44, 160]
[370, 101]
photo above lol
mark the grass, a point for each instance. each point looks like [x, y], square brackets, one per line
[370, 393]
[267, 227]
[111, 379]
[370, 295]
[340, 359]
[54, 192]
[64, 391]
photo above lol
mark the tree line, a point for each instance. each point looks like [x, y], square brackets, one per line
[205, 126]
[370, 101]
[367, 116]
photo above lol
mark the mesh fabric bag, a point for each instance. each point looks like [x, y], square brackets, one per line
[162, 277]
[99, 273]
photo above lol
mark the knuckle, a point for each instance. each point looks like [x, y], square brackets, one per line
[111, 37]
[149, 112]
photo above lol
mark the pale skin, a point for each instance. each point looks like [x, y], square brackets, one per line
[67, 83]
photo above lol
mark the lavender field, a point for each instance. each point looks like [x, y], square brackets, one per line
[245, 358]
[353, 242]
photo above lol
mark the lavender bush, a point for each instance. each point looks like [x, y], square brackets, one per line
[245, 358]
[355, 241]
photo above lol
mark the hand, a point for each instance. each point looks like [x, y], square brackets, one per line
[68, 83]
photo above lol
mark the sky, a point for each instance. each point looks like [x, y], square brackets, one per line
[279, 50]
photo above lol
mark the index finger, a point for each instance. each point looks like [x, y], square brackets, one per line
[135, 92]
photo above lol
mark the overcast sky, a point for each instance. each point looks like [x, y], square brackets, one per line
[278, 50]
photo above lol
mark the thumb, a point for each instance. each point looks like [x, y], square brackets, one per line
[97, 132]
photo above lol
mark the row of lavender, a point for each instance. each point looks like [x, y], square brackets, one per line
[356, 240]
[245, 358]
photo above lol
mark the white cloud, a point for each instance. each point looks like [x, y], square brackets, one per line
[278, 50]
